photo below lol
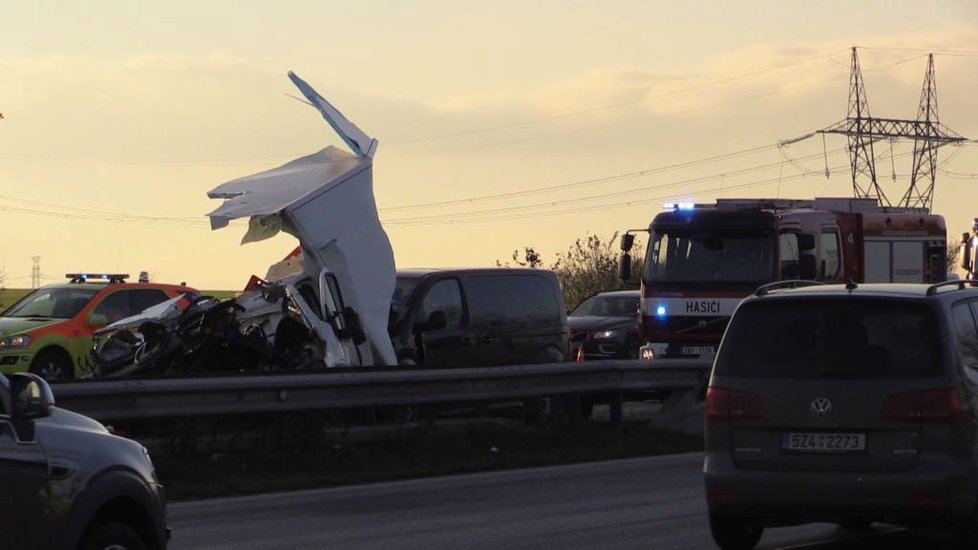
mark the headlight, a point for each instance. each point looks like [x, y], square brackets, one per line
[606, 334]
[19, 341]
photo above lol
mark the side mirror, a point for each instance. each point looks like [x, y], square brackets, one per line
[96, 320]
[625, 267]
[436, 321]
[31, 396]
[627, 240]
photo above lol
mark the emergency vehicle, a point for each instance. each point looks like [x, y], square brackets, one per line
[702, 259]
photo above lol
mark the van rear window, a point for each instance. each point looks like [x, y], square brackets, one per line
[831, 338]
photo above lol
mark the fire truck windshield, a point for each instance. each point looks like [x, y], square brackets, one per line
[681, 255]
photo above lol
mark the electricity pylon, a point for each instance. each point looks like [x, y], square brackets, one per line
[862, 130]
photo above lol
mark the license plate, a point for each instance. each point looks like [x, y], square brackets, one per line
[824, 442]
[697, 350]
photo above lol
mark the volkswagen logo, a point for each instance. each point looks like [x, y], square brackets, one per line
[821, 407]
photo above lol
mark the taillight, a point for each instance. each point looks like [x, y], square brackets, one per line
[941, 405]
[723, 404]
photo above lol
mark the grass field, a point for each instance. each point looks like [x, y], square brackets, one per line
[419, 453]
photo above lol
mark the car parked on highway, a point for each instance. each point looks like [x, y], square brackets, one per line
[848, 404]
[69, 483]
[49, 331]
[605, 326]
[478, 317]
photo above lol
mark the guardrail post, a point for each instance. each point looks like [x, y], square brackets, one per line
[615, 408]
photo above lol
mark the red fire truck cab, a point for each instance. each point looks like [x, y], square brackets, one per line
[702, 259]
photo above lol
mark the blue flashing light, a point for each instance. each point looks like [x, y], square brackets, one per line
[660, 311]
[678, 205]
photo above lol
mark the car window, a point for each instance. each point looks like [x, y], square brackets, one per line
[830, 255]
[60, 303]
[114, 306]
[142, 298]
[824, 338]
[495, 299]
[539, 299]
[607, 306]
[966, 331]
[446, 296]
[308, 295]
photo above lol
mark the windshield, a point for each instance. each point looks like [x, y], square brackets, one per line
[608, 306]
[56, 303]
[679, 255]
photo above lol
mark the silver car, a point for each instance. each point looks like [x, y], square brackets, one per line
[846, 404]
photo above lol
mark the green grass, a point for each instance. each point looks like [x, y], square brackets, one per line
[421, 453]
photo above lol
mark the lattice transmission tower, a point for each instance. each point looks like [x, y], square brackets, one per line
[862, 130]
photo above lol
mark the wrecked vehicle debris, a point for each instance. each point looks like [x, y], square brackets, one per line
[261, 330]
[326, 201]
[332, 308]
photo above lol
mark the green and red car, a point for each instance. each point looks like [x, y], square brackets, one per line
[49, 331]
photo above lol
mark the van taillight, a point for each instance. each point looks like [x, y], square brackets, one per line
[723, 404]
[942, 405]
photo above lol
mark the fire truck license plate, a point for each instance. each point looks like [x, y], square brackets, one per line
[824, 442]
[697, 350]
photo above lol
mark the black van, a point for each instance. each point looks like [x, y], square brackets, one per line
[478, 317]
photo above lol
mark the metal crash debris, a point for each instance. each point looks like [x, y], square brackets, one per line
[331, 310]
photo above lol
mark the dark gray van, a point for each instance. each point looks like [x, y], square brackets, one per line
[478, 317]
[848, 404]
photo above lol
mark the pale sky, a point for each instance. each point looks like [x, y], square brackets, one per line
[501, 124]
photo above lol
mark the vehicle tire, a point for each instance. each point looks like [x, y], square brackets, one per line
[551, 354]
[965, 532]
[53, 364]
[855, 524]
[733, 533]
[114, 535]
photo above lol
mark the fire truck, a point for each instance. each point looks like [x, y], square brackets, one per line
[702, 259]
[969, 251]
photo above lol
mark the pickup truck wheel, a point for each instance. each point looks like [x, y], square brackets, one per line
[114, 536]
[51, 364]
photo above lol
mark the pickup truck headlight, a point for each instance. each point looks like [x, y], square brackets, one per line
[606, 334]
[14, 342]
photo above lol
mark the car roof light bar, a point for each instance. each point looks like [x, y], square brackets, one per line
[85, 277]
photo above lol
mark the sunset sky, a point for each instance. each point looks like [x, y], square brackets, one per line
[501, 124]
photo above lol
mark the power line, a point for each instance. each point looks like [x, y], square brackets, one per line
[547, 208]
[581, 183]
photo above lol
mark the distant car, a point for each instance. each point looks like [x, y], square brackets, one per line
[845, 404]
[69, 483]
[49, 331]
[478, 317]
[606, 325]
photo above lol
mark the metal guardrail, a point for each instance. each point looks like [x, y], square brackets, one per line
[132, 399]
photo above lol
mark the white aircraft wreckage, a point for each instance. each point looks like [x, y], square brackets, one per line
[333, 312]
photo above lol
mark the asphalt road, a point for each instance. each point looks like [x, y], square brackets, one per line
[653, 503]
